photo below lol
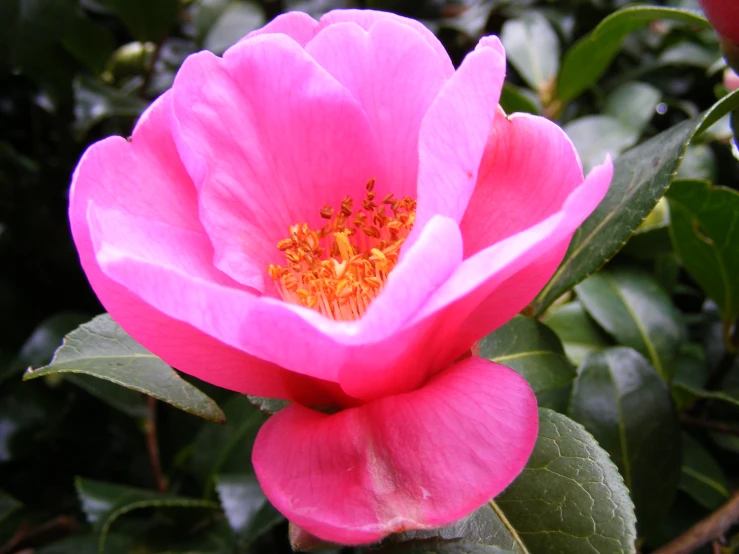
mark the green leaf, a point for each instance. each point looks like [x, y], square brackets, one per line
[45, 339]
[579, 333]
[8, 505]
[625, 404]
[633, 105]
[641, 177]
[534, 351]
[96, 102]
[144, 19]
[633, 307]
[589, 57]
[220, 449]
[686, 395]
[102, 349]
[699, 163]
[90, 43]
[569, 498]
[594, 136]
[103, 503]
[249, 513]
[702, 478]
[268, 405]
[705, 232]
[238, 20]
[532, 47]
[516, 99]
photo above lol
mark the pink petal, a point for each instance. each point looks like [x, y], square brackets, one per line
[395, 75]
[412, 461]
[144, 178]
[290, 336]
[455, 131]
[499, 281]
[298, 26]
[367, 18]
[269, 137]
[529, 168]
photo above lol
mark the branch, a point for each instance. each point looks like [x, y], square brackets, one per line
[711, 425]
[152, 444]
[713, 527]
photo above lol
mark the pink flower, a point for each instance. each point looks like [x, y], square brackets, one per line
[724, 16]
[331, 214]
[731, 79]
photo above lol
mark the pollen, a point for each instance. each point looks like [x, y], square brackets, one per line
[340, 268]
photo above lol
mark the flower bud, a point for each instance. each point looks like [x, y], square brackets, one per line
[724, 16]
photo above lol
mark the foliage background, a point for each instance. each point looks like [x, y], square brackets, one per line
[76, 459]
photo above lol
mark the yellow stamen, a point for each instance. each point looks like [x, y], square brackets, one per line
[340, 268]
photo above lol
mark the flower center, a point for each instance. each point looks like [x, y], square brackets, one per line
[341, 267]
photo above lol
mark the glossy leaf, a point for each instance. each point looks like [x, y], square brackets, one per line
[705, 232]
[226, 449]
[641, 177]
[624, 403]
[587, 60]
[633, 105]
[146, 20]
[237, 20]
[8, 505]
[595, 136]
[532, 47]
[102, 349]
[91, 43]
[579, 333]
[103, 503]
[249, 513]
[633, 307]
[569, 498]
[45, 339]
[96, 102]
[685, 395]
[518, 99]
[534, 351]
[702, 478]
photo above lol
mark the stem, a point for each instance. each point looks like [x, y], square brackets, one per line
[713, 527]
[731, 339]
[711, 425]
[152, 444]
[150, 67]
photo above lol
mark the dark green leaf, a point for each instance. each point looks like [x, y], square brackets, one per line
[45, 339]
[534, 351]
[580, 335]
[8, 505]
[685, 395]
[90, 43]
[705, 232]
[238, 20]
[226, 448]
[247, 509]
[103, 503]
[585, 62]
[625, 404]
[96, 102]
[641, 177]
[532, 47]
[569, 498]
[102, 349]
[594, 136]
[633, 307]
[144, 19]
[515, 99]
[702, 478]
[268, 405]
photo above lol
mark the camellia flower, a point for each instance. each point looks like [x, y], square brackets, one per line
[332, 215]
[724, 16]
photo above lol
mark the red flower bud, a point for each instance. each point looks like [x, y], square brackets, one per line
[724, 16]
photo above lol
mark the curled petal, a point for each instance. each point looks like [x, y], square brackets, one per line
[350, 477]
